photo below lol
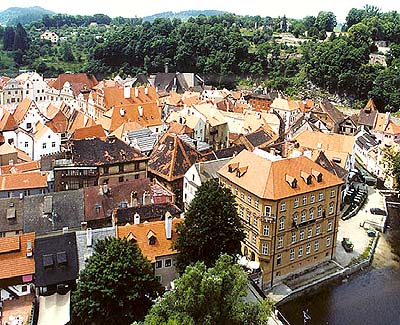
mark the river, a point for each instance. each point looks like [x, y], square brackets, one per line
[369, 297]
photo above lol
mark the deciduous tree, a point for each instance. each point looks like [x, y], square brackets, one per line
[210, 296]
[116, 286]
[211, 227]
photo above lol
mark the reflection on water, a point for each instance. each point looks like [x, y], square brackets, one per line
[371, 297]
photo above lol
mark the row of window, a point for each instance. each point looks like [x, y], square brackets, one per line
[308, 249]
[302, 234]
[167, 263]
[296, 203]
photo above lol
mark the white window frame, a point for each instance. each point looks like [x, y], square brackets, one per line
[266, 230]
[296, 202]
[300, 251]
[303, 216]
[301, 234]
[312, 199]
[294, 237]
[311, 213]
[331, 208]
[264, 248]
[309, 232]
[308, 248]
[321, 196]
[330, 225]
[316, 245]
[318, 230]
[304, 200]
[280, 242]
[282, 223]
[291, 254]
[283, 206]
[328, 241]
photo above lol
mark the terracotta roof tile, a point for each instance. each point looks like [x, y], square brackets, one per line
[13, 259]
[94, 131]
[268, 179]
[27, 180]
[58, 123]
[20, 168]
[7, 121]
[139, 233]
[21, 109]
[172, 157]
[78, 81]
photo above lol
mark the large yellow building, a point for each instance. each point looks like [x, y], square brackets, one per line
[289, 208]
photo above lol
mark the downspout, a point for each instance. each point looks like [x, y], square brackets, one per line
[336, 215]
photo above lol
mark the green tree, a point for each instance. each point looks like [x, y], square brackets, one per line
[210, 296]
[211, 227]
[116, 286]
[8, 38]
[20, 39]
[66, 52]
[326, 21]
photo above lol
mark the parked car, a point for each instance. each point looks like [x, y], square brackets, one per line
[378, 211]
[347, 245]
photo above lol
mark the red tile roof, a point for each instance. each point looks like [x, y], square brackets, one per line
[78, 81]
[141, 232]
[94, 131]
[13, 259]
[7, 121]
[22, 181]
[20, 168]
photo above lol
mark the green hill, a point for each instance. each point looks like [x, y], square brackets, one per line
[184, 15]
[14, 15]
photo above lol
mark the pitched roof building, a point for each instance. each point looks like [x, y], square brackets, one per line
[16, 259]
[289, 209]
[155, 240]
[56, 263]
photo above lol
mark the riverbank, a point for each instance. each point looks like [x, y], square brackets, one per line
[369, 297]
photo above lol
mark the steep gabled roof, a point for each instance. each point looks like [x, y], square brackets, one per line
[328, 108]
[20, 168]
[258, 139]
[58, 123]
[94, 152]
[7, 120]
[79, 120]
[269, 179]
[172, 157]
[22, 109]
[78, 81]
[368, 114]
[139, 233]
[330, 165]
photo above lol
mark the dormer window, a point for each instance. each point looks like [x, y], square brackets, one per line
[306, 177]
[317, 175]
[241, 171]
[291, 181]
[233, 167]
[152, 240]
[151, 236]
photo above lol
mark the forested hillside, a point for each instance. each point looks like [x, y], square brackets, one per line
[279, 53]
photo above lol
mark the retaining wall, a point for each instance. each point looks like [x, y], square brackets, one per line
[337, 276]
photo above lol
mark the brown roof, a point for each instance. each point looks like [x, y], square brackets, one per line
[78, 81]
[21, 109]
[79, 120]
[13, 259]
[172, 157]
[258, 139]
[20, 168]
[118, 115]
[141, 233]
[326, 141]
[7, 121]
[125, 127]
[51, 111]
[268, 179]
[116, 194]
[368, 114]
[94, 131]
[328, 108]
[58, 123]
[385, 124]
[27, 180]
[178, 128]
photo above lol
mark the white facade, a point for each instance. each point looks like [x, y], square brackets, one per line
[48, 142]
[31, 117]
[191, 182]
[33, 86]
[50, 36]
[24, 142]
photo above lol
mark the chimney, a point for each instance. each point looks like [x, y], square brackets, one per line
[127, 91]
[140, 109]
[89, 237]
[146, 90]
[166, 68]
[134, 200]
[146, 198]
[136, 219]
[168, 225]
[29, 252]
[83, 225]
[136, 92]
[122, 111]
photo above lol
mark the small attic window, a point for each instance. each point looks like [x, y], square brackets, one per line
[241, 171]
[306, 177]
[291, 181]
[233, 167]
[48, 260]
[61, 258]
[336, 160]
[317, 175]
[151, 236]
